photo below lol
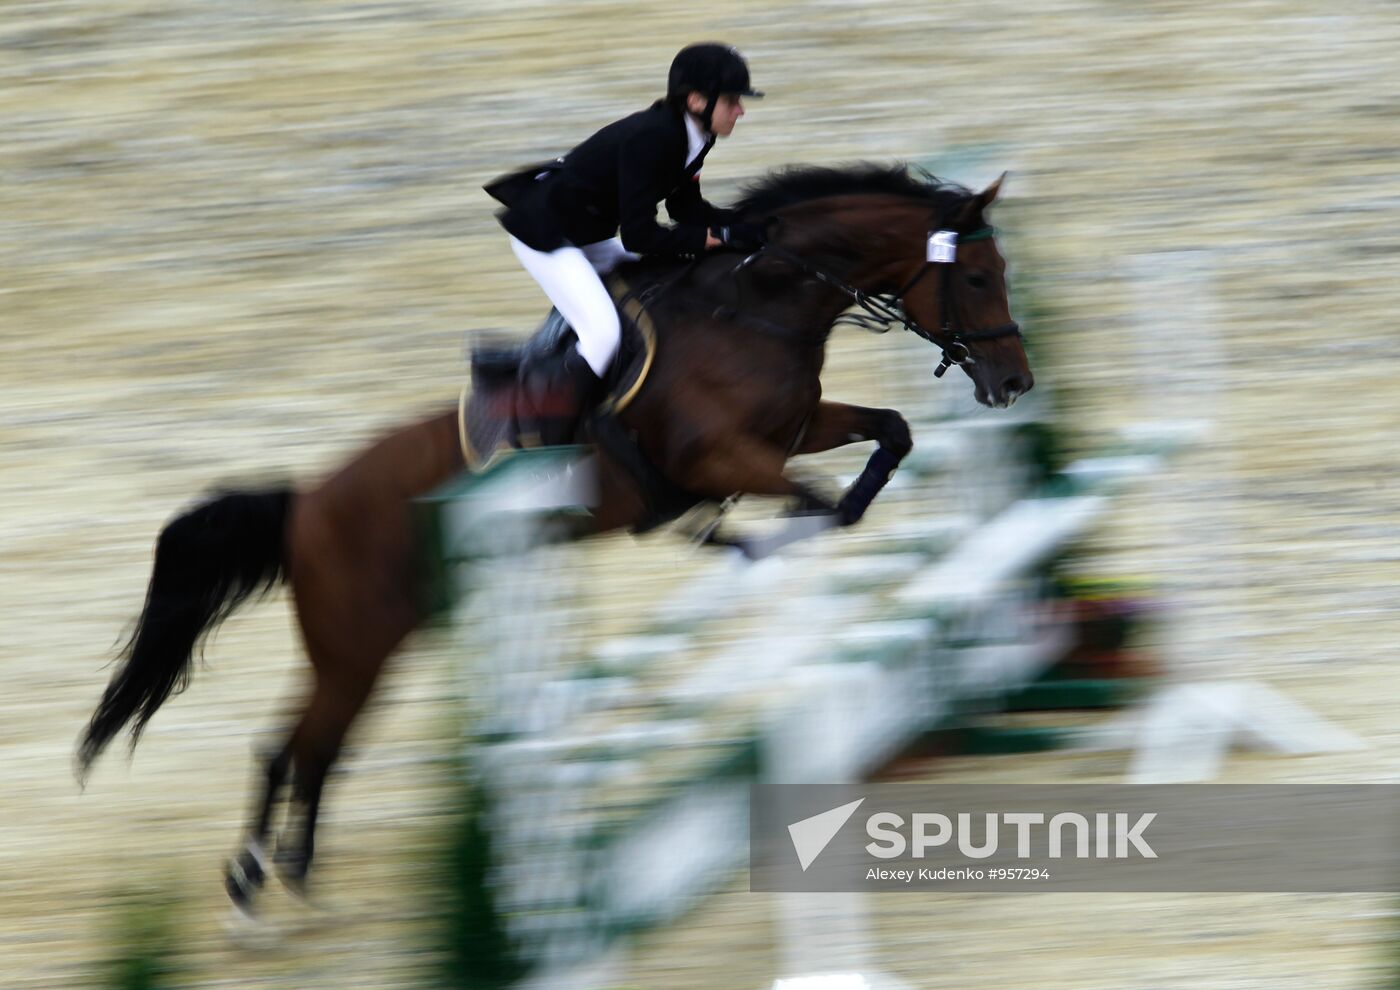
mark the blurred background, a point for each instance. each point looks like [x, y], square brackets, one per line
[238, 240]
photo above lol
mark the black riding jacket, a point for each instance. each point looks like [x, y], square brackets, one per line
[613, 181]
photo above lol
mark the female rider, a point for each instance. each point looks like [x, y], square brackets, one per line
[564, 217]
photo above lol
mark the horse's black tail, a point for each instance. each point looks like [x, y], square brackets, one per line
[208, 561]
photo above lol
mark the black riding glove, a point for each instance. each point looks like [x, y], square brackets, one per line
[743, 236]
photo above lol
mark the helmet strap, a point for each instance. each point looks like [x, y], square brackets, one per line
[707, 118]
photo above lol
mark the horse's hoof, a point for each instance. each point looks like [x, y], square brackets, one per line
[240, 896]
[243, 878]
[848, 514]
[744, 551]
[314, 911]
[291, 869]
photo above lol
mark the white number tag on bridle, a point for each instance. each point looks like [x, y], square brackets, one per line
[942, 247]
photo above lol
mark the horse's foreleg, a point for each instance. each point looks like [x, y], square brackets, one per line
[743, 464]
[754, 467]
[836, 424]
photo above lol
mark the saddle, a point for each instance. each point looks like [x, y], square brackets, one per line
[494, 418]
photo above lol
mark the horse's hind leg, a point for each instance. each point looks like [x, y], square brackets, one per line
[247, 871]
[316, 745]
[348, 647]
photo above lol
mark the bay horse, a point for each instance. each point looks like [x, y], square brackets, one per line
[734, 390]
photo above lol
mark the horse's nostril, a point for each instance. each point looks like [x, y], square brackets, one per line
[1015, 385]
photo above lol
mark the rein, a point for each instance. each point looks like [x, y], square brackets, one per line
[883, 311]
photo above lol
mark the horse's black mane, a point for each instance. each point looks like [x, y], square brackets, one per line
[800, 183]
[803, 183]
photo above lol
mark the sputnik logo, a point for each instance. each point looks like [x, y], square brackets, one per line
[811, 835]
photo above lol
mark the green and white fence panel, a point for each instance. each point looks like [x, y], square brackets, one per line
[620, 778]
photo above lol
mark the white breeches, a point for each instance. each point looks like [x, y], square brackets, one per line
[572, 279]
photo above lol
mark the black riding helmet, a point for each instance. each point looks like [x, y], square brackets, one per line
[710, 68]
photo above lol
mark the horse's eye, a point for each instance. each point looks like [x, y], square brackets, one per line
[977, 281]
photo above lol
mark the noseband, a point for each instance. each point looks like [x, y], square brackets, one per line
[885, 310]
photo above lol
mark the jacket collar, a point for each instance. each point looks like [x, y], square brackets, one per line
[698, 140]
[687, 129]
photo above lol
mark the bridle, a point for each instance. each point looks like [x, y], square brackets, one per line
[883, 311]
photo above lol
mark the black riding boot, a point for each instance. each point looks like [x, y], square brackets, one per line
[557, 393]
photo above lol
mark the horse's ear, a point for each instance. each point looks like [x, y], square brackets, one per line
[981, 201]
[987, 196]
